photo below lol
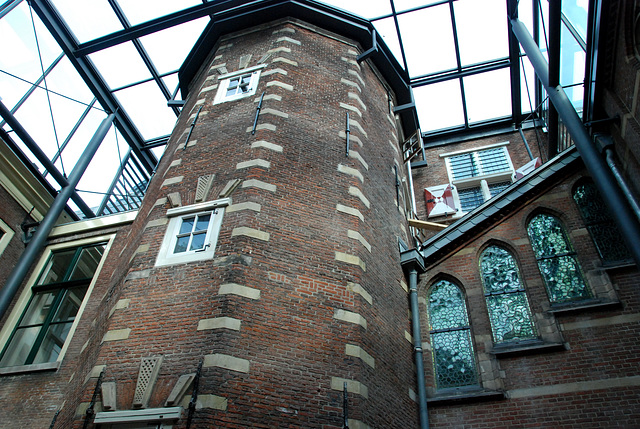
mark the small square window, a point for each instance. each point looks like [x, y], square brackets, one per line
[192, 233]
[236, 85]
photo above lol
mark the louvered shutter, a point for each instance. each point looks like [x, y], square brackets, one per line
[439, 200]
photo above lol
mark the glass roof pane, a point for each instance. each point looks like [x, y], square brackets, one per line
[366, 9]
[65, 80]
[81, 138]
[576, 11]
[488, 95]
[171, 81]
[427, 37]
[102, 169]
[109, 62]
[482, 30]
[148, 109]
[402, 5]
[88, 19]
[439, 105]
[19, 50]
[139, 11]
[169, 48]
[527, 88]
[525, 14]
[387, 30]
[34, 116]
[12, 89]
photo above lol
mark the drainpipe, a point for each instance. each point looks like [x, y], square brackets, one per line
[413, 264]
[606, 143]
[36, 244]
[593, 161]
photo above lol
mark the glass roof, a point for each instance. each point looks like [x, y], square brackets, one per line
[456, 53]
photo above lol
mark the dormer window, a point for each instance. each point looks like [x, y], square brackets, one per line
[238, 84]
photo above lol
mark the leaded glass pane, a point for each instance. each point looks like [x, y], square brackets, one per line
[454, 359]
[496, 188]
[499, 271]
[470, 198]
[604, 232]
[446, 307]
[506, 300]
[563, 279]
[510, 317]
[451, 345]
[463, 166]
[493, 160]
[547, 236]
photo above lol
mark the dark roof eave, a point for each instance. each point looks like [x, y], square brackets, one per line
[475, 221]
[239, 15]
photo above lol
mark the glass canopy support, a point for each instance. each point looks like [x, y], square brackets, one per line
[39, 239]
[43, 159]
[57, 27]
[594, 162]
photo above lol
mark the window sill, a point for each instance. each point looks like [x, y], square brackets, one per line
[586, 305]
[608, 266]
[516, 348]
[457, 396]
[11, 370]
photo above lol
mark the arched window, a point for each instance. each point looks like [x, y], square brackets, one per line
[452, 349]
[557, 260]
[505, 296]
[603, 231]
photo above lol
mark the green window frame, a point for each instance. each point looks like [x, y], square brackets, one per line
[557, 261]
[506, 298]
[57, 295]
[452, 350]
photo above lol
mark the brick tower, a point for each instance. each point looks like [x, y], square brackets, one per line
[261, 279]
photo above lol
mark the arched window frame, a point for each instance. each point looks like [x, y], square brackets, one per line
[507, 303]
[573, 286]
[460, 370]
[602, 229]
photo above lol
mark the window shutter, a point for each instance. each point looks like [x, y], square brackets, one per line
[528, 168]
[439, 200]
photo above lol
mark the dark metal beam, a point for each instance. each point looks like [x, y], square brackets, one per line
[42, 158]
[35, 246]
[596, 165]
[456, 74]
[514, 67]
[59, 30]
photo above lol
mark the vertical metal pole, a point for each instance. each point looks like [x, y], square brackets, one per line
[417, 348]
[36, 244]
[593, 161]
[348, 133]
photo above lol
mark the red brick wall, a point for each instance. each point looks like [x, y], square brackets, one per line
[290, 337]
[592, 381]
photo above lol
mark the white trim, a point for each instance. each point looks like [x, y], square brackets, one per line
[142, 415]
[166, 256]
[207, 205]
[26, 294]
[94, 223]
[475, 149]
[243, 71]
[6, 237]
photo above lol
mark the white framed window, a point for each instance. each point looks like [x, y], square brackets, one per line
[6, 234]
[192, 233]
[238, 84]
[477, 175]
[37, 332]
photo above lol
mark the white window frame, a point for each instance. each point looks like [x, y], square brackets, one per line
[25, 297]
[166, 255]
[225, 79]
[482, 180]
[6, 237]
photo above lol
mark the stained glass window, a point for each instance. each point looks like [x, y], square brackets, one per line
[452, 349]
[556, 260]
[604, 232]
[505, 296]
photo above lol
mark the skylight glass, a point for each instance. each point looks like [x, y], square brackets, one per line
[485, 40]
[439, 105]
[488, 95]
[139, 11]
[88, 19]
[109, 62]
